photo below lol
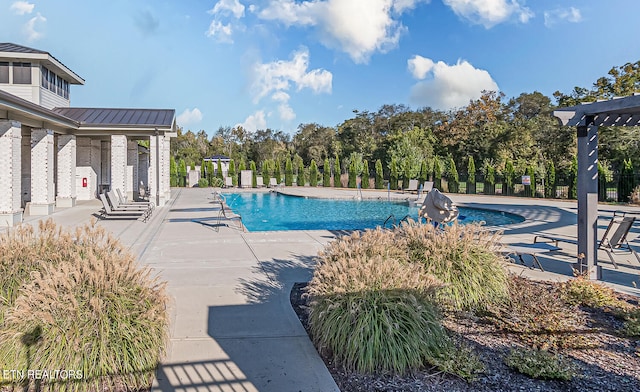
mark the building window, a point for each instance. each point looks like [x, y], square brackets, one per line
[21, 73]
[4, 72]
[45, 77]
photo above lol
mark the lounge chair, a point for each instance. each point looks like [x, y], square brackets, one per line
[226, 214]
[108, 212]
[259, 182]
[413, 186]
[116, 205]
[272, 182]
[614, 238]
[228, 182]
[123, 201]
[427, 187]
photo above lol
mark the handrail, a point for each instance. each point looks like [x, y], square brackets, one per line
[387, 220]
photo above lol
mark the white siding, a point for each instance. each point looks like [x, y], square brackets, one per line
[50, 100]
[24, 91]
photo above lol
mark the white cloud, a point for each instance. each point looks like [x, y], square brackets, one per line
[286, 112]
[189, 117]
[280, 75]
[22, 7]
[30, 27]
[450, 86]
[419, 66]
[490, 12]
[220, 31]
[356, 27]
[254, 122]
[228, 7]
[571, 14]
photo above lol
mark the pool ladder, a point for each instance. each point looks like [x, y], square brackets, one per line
[395, 223]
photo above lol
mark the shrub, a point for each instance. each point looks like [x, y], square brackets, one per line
[353, 174]
[465, 258]
[203, 183]
[219, 173]
[266, 174]
[368, 312]
[313, 174]
[581, 291]
[254, 174]
[437, 173]
[453, 180]
[337, 172]
[216, 182]
[288, 172]
[182, 173]
[540, 364]
[326, 173]
[537, 314]
[301, 180]
[471, 176]
[379, 176]
[393, 174]
[83, 305]
[232, 173]
[364, 181]
[550, 184]
[276, 171]
[173, 172]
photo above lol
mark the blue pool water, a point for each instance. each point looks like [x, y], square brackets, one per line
[272, 211]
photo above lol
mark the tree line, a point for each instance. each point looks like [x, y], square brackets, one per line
[491, 136]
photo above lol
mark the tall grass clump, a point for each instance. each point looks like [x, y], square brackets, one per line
[465, 258]
[368, 312]
[79, 301]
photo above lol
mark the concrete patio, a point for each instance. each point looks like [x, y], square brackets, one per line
[232, 326]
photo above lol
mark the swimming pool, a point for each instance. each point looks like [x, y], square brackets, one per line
[273, 211]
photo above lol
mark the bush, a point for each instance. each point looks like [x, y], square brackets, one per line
[288, 172]
[540, 364]
[581, 291]
[203, 183]
[537, 314]
[465, 258]
[313, 174]
[372, 311]
[326, 174]
[364, 178]
[80, 302]
[216, 182]
[379, 177]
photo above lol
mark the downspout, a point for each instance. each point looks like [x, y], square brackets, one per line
[157, 134]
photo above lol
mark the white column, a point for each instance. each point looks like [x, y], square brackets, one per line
[118, 162]
[166, 174]
[42, 172]
[10, 172]
[132, 169]
[67, 148]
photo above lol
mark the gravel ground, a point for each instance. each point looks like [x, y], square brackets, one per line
[612, 364]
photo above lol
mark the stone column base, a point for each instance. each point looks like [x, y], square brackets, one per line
[40, 209]
[65, 202]
[10, 219]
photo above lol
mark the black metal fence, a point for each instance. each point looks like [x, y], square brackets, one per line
[613, 188]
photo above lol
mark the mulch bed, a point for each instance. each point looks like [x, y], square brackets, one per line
[612, 364]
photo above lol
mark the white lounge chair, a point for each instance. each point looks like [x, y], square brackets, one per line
[109, 212]
[259, 182]
[413, 186]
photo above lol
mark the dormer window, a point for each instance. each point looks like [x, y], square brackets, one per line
[4, 72]
[21, 73]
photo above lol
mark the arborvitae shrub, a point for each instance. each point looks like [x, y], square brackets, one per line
[313, 174]
[288, 172]
[326, 174]
[379, 175]
[365, 175]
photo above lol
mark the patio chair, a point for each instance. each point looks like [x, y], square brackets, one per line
[272, 182]
[614, 238]
[123, 200]
[413, 186]
[116, 205]
[226, 214]
[228, 182]
[108, 212]
[427, 187]
[259, 182]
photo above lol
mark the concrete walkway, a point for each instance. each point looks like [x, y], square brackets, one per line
[232, 326]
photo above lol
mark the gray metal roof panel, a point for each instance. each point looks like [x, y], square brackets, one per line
[119, 117]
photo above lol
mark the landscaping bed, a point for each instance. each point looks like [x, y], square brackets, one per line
[612, 364]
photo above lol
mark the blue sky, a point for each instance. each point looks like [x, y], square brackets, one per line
[279, 63]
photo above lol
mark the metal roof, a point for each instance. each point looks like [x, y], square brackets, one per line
[24, 52]
[104, 117]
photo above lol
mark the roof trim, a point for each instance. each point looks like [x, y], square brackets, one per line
[10, 50]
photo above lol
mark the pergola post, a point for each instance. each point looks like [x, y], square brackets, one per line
[588, 199]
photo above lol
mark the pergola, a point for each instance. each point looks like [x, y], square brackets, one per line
[587, 118]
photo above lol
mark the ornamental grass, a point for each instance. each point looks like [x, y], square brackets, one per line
[78, 302]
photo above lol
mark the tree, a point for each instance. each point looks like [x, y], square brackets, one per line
[365, 175]
[326, 173]
[437, 173]
[626, 181]
[453, 181]
[379, 175]
[298, 164]
[219, 173]
[489, 179]
[393, 174]
[424, 173]
[210, 172]
[313, 174]
[276, 171]
[265, 172]
[353, 174]
[232, 173]
[509, 177]
[288, 172]
[173, 172]
[203, 169]
[254, 174]
[182, 173]
[471, 176]
[301, 179]
[337, 173]
[550, 185]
